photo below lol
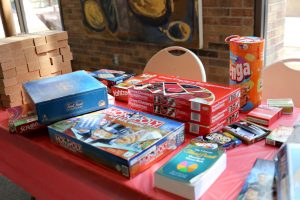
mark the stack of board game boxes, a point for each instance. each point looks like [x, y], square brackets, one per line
[30, 57]
[205, 107]
[82, 122]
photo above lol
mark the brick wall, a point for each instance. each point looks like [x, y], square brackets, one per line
[221, 18]
[275, 31]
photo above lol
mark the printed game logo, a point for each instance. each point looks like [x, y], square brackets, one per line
[154, 154]
[120, 93]
[239, 72]
[68, 144]
[135, 118]
[28, 127]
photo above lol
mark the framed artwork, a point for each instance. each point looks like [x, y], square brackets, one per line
[166, 22]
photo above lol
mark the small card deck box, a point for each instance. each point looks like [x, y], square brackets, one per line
[264, 115]
[66, 96]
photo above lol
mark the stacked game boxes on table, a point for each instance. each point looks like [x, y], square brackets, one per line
[124, 140]
[29, 57]
[205, 107]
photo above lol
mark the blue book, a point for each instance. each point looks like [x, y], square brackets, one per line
[192, 171]
[65, 96]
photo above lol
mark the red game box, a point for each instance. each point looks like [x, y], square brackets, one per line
[197, 129]
[172, 91]
[23, 119]
[120, 91]
[183, 114]
[264, 115]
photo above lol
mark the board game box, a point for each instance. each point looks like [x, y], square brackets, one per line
[110, 77]
[23, 119]
[279, 135]
[65, 96]
[124, 140]
[197, 129]
[287, 105]
[247, 131]
[182, 114]
[120, 91]
[264, 115]
[185, 94]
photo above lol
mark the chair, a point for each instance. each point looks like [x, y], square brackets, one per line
[186, 65]
[280, 80]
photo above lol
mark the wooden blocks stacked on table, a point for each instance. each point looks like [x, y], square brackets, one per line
[30, 57]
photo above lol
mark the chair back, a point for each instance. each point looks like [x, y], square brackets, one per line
[282, 81]
[185, 65]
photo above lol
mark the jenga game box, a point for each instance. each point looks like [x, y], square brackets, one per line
[23, 120]
[120, 91]
[204, 104]
[110, 77]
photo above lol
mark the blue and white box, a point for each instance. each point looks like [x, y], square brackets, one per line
[66, 96]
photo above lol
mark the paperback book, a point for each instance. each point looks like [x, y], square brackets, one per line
[191, 171]
[124, 140]
[260, 181]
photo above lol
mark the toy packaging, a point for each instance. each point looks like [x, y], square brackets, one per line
[287, 105]
[110, 77]
[279, 135]
[172, 91]
[246, 66]
[182, 114]
[22, 120]
[120, 91]
[264, 115]
[260, 182]
[65, 96]
[124, 140]
[197, 129]
[247, 131]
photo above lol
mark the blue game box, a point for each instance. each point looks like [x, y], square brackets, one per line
[124, 140]
[66, 96]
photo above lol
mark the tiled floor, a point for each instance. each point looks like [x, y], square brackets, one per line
[10, 191]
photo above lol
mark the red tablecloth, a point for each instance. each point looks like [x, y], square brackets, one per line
[49, 172]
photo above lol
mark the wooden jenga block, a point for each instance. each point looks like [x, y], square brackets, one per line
[44, 71]
[65, 50]
[44, 61]
[24, 39]
[39, 40]
[25, 97]
[33, 66]
[8, 82]
[34, 75]
[67, 57]
[62, 43]
[53, 53]
[10, 90]
[30, 54]
[54, 36]
[47, 47]
[22, 78]
[20, 61]
[7, 65]
[56, 60]
[13, 97]
[22, 69]
[8, 73]
[66, 69]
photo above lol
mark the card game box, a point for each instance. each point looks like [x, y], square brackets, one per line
[120, 91]
[124, 140]
[182, 114]
[110, 77]
[287, 105]
[279, 135]
[264, 115]
[197, 129]
[247, 131]
[65, 96]
[185, 94]
[23, 120]
[223, 140]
